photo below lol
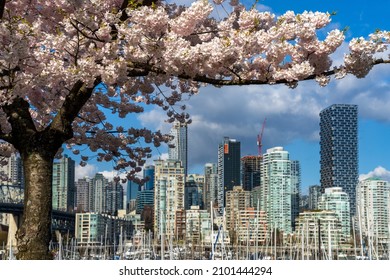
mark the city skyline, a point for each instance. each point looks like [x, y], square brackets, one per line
[292, 114]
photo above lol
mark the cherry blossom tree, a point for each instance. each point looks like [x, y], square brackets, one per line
[66, 64]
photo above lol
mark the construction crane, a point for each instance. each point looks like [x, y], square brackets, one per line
[259, 138]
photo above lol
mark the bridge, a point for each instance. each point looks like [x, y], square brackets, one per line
[11, 202]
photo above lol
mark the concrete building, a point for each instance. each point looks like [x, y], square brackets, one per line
[168, 196]
[236, 200]
[251, 227]
[94, 229]
[83, 196]
[114, 198]
[210, 190]
[11, 173]
[373, 209]
[98, 193]
[318, 229]
[198, 225]
[336, 200]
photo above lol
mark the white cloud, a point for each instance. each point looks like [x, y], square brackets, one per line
[155, 120]
[85, 171]
[379, 171]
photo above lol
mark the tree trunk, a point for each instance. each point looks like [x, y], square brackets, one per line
[34, 235]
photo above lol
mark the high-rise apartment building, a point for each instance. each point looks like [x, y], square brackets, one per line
[251, 166]
[295, 190]
[83, 198]
[12, 172]
[168, 196]
[236, 200]
[210, 190]
[336, 200]
[315, 192]
[194, 191]
[114, 198]
[98, 193]
[339, 149]
[279, 187]
[178, 146]
[64, 184]
[373, 206]
[229, 169]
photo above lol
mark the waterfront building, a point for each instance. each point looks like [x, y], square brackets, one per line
[198, 225]
[63, 184]
[336, 200]
[277, 184]
[178, 146]
[95, 229]
[251, 166]
[251, 227]
[229, 161]
[236, 200]
[318, 229]
[210, 190]
[315, 192]
[339, 149]
[168, 196]
[373, 206]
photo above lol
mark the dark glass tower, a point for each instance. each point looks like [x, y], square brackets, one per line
[149, 172]
[251, 172]
[339, 149]
[229, 168]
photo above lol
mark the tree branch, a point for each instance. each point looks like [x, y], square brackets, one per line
[144, 70]
[74, 101]
[2, 8]
[20, 119]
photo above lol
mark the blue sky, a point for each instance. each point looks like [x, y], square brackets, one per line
[292, 115]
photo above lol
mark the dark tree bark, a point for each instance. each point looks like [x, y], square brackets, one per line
[35, 233]
[38, 149]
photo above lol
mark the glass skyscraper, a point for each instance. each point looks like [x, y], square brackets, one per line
[178, 149]
[251, 166]
[280, 187]
[339, 149]
[229, 169]
[63, 184]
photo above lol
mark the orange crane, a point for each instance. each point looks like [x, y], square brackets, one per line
[259, 139]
